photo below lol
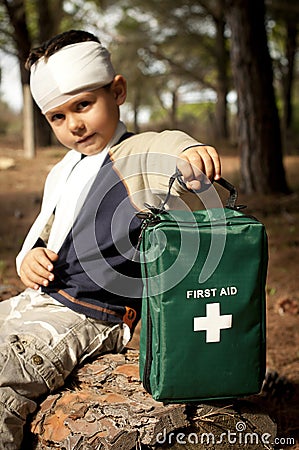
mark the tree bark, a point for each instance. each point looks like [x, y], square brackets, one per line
[49, 14]
[28, 123]
[137, 99]
[43, 133]
[291, 47]
[174, 109]
[222, 73]
[106, 407]
[17, 16]
[258, 121]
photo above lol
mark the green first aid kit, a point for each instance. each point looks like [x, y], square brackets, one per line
[203, 307]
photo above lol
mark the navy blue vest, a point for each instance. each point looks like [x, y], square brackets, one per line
[95, 273]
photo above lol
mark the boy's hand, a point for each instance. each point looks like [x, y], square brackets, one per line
[196, 161]
[36, 268]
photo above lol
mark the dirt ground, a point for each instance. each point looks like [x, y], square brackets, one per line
[21, 183]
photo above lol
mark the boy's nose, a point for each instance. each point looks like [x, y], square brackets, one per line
[75, 124]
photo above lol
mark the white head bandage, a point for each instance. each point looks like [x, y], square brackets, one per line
[73, 69]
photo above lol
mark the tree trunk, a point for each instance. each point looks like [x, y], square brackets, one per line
[259, 128]
[137, 98]
[43, 133]
[222, 77]
[106, 407]
[28, 123]
[291, 47]
[17, 16]
[174, 109]
[50, 14]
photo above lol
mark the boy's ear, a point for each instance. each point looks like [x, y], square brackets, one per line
[119, 89]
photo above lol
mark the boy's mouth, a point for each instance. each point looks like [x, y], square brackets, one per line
[85, 139]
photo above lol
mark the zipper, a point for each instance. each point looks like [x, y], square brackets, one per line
[149, 351]
[251, 220]
[149, 332]
[147, 219]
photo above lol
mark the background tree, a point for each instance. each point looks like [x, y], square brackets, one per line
[168, 48]
[283, 32]
[188, 40]
[27, 23]
[259, 134]
[49, 16]
[129, 40]
[17, 22]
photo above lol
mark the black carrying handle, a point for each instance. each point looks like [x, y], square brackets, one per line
[231, 201]
[233, 193]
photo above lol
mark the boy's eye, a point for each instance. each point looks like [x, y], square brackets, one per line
[57, 117]
[83, 104]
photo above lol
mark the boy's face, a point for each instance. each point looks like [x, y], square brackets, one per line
[87, 122]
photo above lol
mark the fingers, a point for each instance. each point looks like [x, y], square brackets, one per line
[35, 277]
[37, 266]
[196, 162]
[216, 163]
[52, 257]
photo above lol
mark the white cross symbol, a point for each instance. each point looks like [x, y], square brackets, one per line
[213, 322]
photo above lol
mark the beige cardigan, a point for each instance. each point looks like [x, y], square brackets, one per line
[144, 162]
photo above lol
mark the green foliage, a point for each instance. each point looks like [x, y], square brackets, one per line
[295, 124]
[32, 22]
[2, 268]
[179, 36]
[6, 32]
[159, 46]
[10, 122]
[193, 111]
[194, 118]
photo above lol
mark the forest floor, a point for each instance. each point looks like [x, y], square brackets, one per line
[21, 184]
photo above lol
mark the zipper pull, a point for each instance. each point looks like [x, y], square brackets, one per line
[154, 210]
[145, 217]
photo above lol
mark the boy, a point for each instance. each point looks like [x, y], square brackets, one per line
[83, 285]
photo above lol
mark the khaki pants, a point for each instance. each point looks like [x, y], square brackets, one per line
[41, 341]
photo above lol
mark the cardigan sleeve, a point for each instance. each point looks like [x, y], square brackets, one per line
[145, 162]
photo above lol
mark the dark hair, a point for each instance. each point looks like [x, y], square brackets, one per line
[59, 41]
